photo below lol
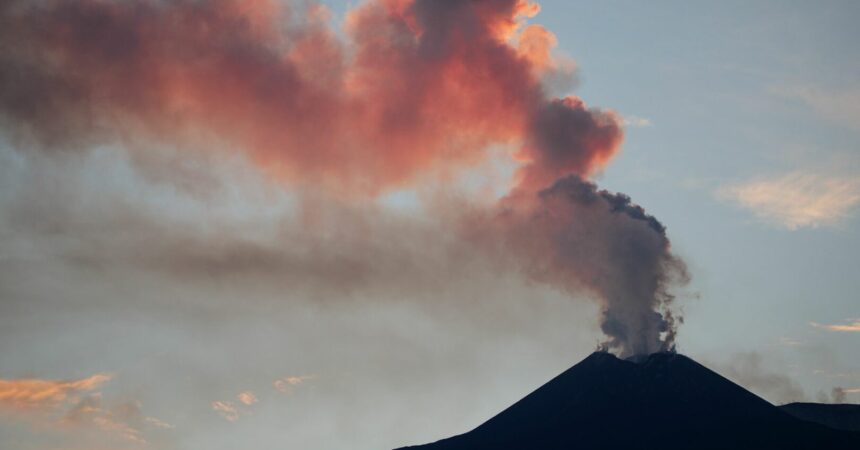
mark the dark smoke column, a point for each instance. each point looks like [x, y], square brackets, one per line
[622, 254]
[584, 240]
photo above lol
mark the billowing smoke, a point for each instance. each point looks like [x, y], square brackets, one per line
[583, 239]
[837, 394]
[416, 88]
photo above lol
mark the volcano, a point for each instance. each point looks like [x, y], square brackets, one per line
[658, 401]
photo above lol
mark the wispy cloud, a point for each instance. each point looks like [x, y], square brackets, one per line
[286, 385]
[754, 372]
[837, 375]
[840, 394]
[39, 394]
[636, 122]
[790, 342]
[797, 200]
[226, 409]
[76, 405]
[247, 398]
[838, 105]
[157, 423]
[121, 420]
[232, 411]
[853, 326]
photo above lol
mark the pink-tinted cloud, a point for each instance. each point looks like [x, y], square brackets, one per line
[226, 409]
[286, 385]
[414, 89]
[854, 326]
[247, 398]
[417, 87]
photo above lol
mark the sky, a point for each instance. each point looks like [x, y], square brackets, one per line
[364, 244]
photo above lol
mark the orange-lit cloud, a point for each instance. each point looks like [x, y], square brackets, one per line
[122, 420]
[286, 385]
[247, 398]
[417, 87]
[854, 326]
[34, 393]
[231, 411]
[75, 405]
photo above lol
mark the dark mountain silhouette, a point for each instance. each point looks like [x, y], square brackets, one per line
[839, 416]
[660, 401]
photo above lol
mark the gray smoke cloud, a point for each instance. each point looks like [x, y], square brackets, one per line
[99, 73]
[583, 239]
[750, 370]
[838, 395]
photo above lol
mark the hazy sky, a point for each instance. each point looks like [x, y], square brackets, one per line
[169, 289]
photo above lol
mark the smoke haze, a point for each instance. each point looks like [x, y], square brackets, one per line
[416, 88]
[186, 180]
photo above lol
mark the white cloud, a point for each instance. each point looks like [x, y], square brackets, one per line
[854, 326]
[158, 423]
[840, 106]
[790, 342]
[797, 200]
[636, 122]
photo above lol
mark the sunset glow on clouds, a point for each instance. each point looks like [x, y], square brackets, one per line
[231, 411]
[247, 398]
[76, 407]
[797, 200]
[37, 394]
[852, 326]
[226, 409]
[417, 88]
[286, 385]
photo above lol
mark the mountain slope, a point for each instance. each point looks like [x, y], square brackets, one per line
[839, 416]
[664, 400]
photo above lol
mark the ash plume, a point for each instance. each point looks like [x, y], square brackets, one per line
[416, 88]
[583, 239]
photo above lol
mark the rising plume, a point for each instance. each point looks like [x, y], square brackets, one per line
[414, 88]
